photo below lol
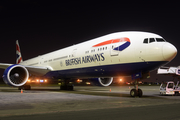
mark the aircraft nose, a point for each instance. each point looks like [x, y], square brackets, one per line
[169, 51]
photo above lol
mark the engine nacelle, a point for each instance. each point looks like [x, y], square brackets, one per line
[102, 81]
[16, 75]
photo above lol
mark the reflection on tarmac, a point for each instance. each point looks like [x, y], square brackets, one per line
[50, 101]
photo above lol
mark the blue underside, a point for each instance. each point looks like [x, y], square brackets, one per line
[107, 70]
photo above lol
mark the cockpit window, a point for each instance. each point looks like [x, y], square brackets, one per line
[145, 40]
[151, 40]
[160, 40]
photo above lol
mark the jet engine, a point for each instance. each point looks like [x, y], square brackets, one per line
[103, 81]
[16, 75]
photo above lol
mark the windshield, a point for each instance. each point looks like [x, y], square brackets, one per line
[160, 40]
[151, 40]
[170, 85]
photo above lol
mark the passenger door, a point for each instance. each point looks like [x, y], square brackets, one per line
[115, 43]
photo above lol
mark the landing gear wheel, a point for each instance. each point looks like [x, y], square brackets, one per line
[133, 92]
[176, 93]
[66, 87]
[24, 87]
[140, 93]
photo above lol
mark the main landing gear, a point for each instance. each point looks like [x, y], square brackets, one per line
[24, 87]
[136, 91]
[66, 85]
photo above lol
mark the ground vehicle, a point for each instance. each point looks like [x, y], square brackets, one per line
[169, 88]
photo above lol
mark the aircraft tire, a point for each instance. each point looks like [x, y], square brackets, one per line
[140, 93]
[133, 93]
[24, 87]
[176, 93]
[66, 87]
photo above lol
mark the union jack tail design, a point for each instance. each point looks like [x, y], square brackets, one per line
[18, 53]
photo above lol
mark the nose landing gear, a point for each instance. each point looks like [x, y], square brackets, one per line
[136, 91]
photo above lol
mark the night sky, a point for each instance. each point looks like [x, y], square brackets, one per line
[42, 26]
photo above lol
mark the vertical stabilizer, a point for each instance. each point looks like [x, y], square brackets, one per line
[18, 53]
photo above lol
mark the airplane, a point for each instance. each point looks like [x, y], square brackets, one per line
[129, 53]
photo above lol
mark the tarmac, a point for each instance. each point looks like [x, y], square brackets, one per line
[87, 102]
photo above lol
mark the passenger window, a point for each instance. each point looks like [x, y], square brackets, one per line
[151, 40]
[160, 40]
[145, 40]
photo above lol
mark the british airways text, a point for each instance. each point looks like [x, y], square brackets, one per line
[86, 59]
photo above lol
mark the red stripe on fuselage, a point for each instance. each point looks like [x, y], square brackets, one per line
[112, 41]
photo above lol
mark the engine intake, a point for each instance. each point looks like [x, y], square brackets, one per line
[16, 75]
[102, 81]
[105, 81]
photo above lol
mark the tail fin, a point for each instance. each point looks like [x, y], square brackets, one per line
[18, 53]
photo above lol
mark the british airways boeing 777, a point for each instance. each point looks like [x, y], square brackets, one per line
[102, 59]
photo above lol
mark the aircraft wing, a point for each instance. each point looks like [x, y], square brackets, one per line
[35, 70]
[39, 71]
[4, 65]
